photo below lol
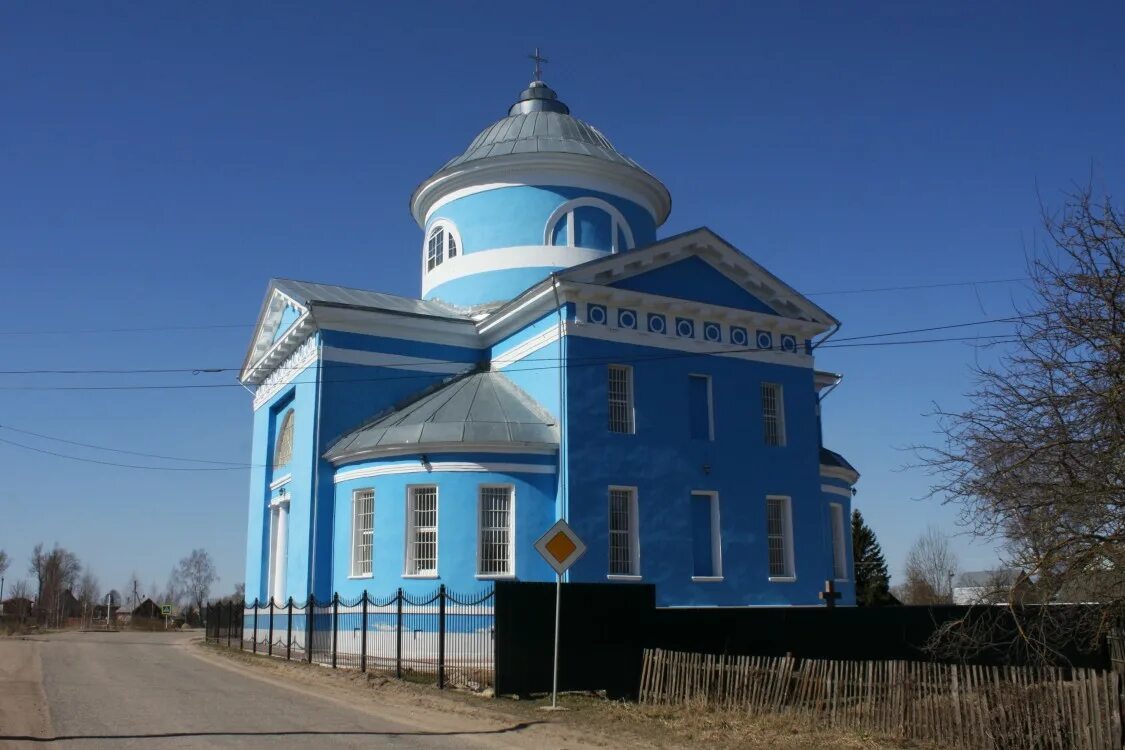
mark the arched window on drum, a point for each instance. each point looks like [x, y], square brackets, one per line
[589, 223]
[442, 244]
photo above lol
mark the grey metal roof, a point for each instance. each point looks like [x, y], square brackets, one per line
[832, 458]
[540, 123]
[309, 293]
[478, 407]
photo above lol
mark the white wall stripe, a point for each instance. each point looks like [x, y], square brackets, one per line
[416, 467]
[505, 258]
[833, 489]
[521, 350]
[281, 481]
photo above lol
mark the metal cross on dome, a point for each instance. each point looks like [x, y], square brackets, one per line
[539, 60]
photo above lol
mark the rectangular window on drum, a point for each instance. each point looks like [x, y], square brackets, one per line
[779, 535]
[773, 414]
[624, 553]
[422, 531]
[839, 548]
[621, 399]
[496, 521]
[363, 527]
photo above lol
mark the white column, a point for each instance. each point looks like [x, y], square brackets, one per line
[281, 544]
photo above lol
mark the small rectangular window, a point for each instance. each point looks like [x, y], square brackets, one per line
[773, 414]
[422, 531]
[839, 548]
[621, 399]
[700, 411]
[624, 552]
[706, 536]
[363, 527]
[779, 531]
[496, 520]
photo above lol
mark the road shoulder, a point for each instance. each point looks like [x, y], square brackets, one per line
[24, 711]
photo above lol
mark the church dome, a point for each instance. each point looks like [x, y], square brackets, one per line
[536, 191]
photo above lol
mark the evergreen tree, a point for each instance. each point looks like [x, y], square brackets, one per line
[872, 580]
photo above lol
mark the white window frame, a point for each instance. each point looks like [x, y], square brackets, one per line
[511, 572]
[451, 234]
[633, 535]
[790, 574]
[839, 544]
[630, 409]
[357, 531]
[409, 563]
[716, 538]
[778, 417]
[710, 404]
[617, 221]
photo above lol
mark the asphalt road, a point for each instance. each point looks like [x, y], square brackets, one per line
[124, 690]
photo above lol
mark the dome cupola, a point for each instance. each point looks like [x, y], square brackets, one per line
[536, 191]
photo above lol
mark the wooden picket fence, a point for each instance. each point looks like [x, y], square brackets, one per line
[994, 708]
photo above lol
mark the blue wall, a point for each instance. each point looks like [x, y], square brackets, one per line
[457, 523]
[665, 465]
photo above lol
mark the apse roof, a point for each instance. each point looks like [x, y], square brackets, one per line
[832, 458]
[478, 407]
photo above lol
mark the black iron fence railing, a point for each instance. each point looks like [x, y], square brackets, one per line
[444, 636]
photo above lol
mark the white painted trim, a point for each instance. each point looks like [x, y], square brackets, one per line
[839, 472]
[838, 555]
[545, 168]
[408, 536]
[492, 322]
[415, 449]
[624, 578]
[783, 579]
[301, 359]
[835, 490]
[281, 481]
[706, 579]
[507, 258]
[416, 467]
[451, 230]
[397, 361]
[661, 341]
[617, 221]
[523, 349]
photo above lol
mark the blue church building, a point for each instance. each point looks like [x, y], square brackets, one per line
[563, 361]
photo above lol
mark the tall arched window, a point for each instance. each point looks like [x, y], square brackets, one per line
[442, 242]
[283, 446]
[590, 223]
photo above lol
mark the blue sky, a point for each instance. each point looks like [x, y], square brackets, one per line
[162, 161]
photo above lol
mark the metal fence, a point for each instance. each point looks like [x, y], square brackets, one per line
[443, 635]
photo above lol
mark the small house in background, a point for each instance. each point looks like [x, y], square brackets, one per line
[991, 587]
[148, 609]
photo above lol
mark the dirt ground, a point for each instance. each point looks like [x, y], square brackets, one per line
[590, 721]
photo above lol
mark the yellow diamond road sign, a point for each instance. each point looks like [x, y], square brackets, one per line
[560, 547]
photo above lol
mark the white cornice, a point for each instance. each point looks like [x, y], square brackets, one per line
[839, 472]
[417, 467]
[552, 168]
[281, 482]
[416, 449]
[300, 359]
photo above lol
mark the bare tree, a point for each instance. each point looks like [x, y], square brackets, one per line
[1037, 461]
[194, 576]
[88, 590]
[19, 597]
[4, 562]
[56, 573]
[930, 567]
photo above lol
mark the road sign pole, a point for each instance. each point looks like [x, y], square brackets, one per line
[555, 677]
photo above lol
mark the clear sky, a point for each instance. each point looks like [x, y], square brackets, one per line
[159, 162]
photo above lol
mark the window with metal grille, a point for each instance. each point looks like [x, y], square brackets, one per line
[779, 533]
[623, 545]
[621, 399]
[494, 548]
[422, 531]
[773, 414]
[839, 549]
[363, 528]
[283, 448]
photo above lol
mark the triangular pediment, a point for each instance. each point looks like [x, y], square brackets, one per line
[279, 316]
[699, 266]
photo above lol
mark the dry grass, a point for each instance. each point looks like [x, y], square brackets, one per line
[591, 720]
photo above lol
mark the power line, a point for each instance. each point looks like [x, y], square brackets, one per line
[237, 464]
[939, 285]
[114, 463]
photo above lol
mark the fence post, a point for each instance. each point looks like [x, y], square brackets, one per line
[335, 623]
[441, 638]
[310, 624]
[363, 636]
[269, 648]
[230, 621]
[255, 624]
[398, 637]
[289, 630]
